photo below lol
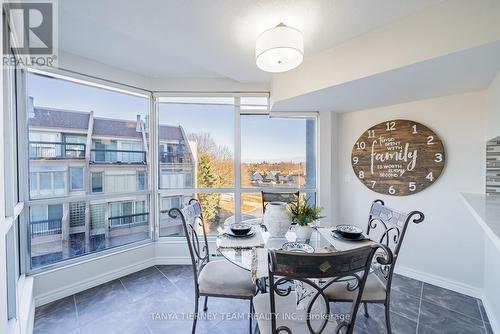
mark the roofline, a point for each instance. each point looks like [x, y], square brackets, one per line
[63, 110]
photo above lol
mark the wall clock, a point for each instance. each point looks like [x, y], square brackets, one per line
[398, 157]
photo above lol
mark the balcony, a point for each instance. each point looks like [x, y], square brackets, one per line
[39, 150]
[127, 157]
[128, 220]
[46, 227]
[175, 158]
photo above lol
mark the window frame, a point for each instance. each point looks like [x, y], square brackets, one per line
[70, 183]
[237, 189]
[152, 192]
[91, 198]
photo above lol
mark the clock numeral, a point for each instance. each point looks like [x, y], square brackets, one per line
[355, 160]
[361, 174]
[414, 129]
[438, 157]
[392, 191]
[430, 177]
[373, 184]
[430, 140]
[360, 145]
[371, 133]
[412, 186]
[390, 126]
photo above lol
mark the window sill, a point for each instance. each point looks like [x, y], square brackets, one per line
[90, 257]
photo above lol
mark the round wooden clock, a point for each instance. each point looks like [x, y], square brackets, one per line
[398, 157]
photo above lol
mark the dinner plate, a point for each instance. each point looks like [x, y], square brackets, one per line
[349, 231]
[339, 236]
[232, 235]
[297, 247]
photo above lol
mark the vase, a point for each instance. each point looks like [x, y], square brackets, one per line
[303, 232]
[276, 219]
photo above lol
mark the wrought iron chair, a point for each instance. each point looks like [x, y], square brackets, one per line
[268, 197]
[389, 227]
[211, 278]
[277, 311]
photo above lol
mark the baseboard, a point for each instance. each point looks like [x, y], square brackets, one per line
[166, 260]
[440, 281]
[493, 317]
[92, 282]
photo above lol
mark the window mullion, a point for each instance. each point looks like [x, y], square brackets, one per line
[237, 160]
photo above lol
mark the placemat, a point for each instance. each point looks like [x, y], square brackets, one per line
[341, 245]
[242, 243]
[259, 263]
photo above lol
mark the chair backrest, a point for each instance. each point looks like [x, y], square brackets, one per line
[390, 228]
[268, 197]
[352, 267]
[192, 220]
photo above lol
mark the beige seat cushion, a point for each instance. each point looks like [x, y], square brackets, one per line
[287, 315]
[225, 278]
[374, 290]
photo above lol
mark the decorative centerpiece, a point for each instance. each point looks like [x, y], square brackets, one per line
[277, 219]
[304, 215]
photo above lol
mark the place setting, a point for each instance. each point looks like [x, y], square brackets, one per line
[241, 235]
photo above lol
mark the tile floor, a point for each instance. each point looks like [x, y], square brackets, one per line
[156, 299]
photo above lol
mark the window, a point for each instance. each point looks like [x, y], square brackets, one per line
[77, 214]
[196, 152]
[127, 213]
[97, 182]
[97, 216]
[74, 130]
[275, 153]
[141, 180]
[222, 150]
[190, 135]
[120, 180]
[47, 184]
[76, 178]
[45, 181]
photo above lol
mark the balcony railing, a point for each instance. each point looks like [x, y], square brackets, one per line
[56, 150]
[117, 157]
[129, 220]
[169, 157]
[46, 227]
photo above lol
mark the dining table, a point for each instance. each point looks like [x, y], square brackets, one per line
[250, 253]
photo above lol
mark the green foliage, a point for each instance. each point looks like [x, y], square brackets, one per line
[207, 178]
[304, 214]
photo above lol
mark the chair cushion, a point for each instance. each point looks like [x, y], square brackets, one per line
[287, 315]
[374, 290]
[226, 279]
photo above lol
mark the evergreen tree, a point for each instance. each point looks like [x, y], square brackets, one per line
[208, 178]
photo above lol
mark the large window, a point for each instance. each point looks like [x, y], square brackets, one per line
[88, 151]
[196, 149]
[92, 178]
[273, 153]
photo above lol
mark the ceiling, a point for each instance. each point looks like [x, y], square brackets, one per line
[468, 70]
[212, 38]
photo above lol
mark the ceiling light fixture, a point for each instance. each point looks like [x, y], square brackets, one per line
[279, 49]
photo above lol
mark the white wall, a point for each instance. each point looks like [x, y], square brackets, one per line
[494, 108]
[447, 248]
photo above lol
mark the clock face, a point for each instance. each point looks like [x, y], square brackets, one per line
[398, 157]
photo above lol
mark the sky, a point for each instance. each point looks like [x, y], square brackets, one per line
[262, 138]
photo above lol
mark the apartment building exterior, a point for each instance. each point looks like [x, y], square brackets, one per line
[76, 155]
